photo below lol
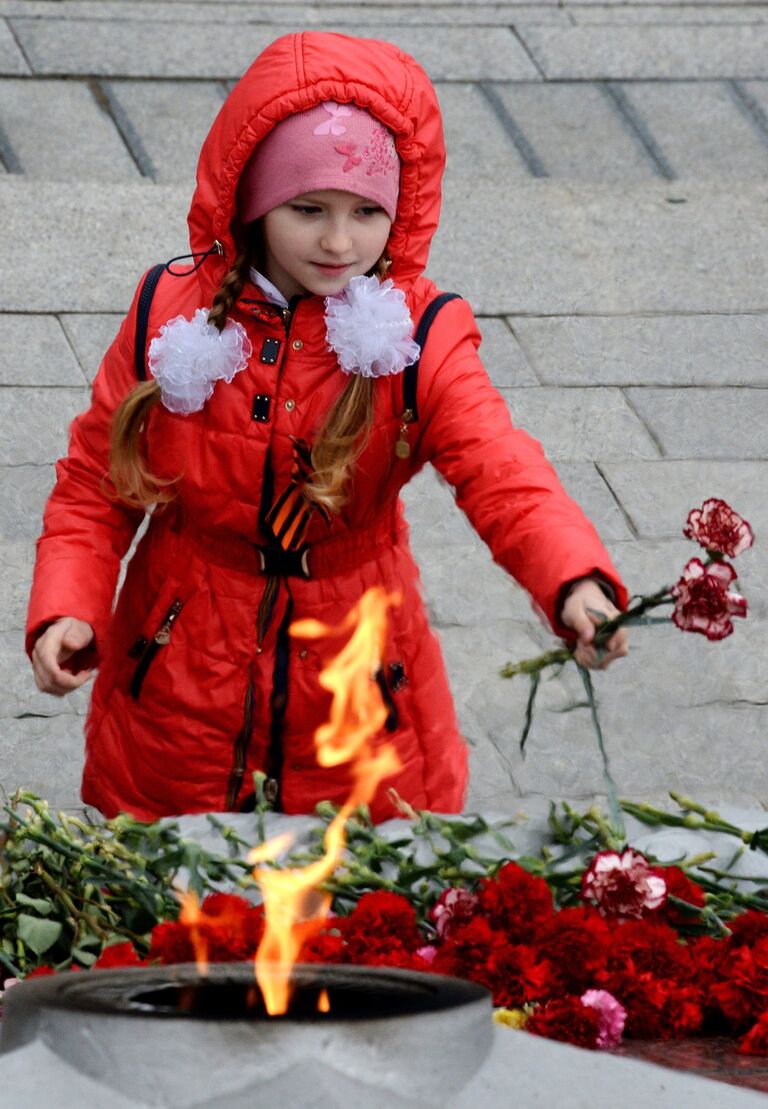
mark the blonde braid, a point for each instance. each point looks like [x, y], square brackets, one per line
[229, 290]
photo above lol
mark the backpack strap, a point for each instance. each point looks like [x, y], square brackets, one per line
[411, 373]
[142, 319]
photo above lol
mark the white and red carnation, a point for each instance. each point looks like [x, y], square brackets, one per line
[718, 529]
[703, 602]
[623, 885]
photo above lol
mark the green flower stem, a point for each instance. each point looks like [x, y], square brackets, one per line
[617, 834]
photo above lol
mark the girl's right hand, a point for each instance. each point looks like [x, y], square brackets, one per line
[56, 646]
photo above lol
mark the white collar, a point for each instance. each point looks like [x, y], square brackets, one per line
[271, 292]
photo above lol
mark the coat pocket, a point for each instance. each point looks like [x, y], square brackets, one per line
[147, 650]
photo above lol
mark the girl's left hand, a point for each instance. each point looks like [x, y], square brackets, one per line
[585, 609]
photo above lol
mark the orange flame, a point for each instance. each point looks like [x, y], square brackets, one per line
[294, 908]
[193, 917]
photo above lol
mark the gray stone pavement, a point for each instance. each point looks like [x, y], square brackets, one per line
[605, 215]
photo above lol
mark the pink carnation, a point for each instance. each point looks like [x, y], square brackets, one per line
[717, 528]
[453, 908]
[612, 1016]
[624, 885]
[703, 603]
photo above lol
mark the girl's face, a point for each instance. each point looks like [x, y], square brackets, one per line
[317, 242]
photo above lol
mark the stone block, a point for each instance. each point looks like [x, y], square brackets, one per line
[650, 51]
[578, 425]
[18, 556]
[12, 61]
[732, 11]
[584, 482]
[576, 132]
[463, 586]
[603, 250]
[22, 700]
[700, 129]
[432, 514]
[171, 119]
[37, 421]
[468, 53]
[105, 239]
[68, 47]
[34, 351]
[23, 493]
[706, 423]
[657, 496]
[502, 355]
[646, 350]
[757, 90]
[474, 656]
[476, 142]
[44, 755]
[90, 335]
[180, 49]
[81, 141]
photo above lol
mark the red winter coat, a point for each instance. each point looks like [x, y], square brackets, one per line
[201, 720]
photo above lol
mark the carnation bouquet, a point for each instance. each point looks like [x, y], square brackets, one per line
[701, 601]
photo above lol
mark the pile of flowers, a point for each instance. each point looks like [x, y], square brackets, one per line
[617, 963]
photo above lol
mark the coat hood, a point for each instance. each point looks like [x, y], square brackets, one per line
[295, 73]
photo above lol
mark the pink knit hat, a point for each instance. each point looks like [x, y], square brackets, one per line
[331, 146]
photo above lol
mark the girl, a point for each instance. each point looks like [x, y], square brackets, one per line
[273, 436]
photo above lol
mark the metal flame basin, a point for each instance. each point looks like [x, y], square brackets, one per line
[168, 1037]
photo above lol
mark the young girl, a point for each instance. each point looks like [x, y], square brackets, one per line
[273, 435]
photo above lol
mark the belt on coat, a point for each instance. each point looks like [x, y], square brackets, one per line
[324, 559]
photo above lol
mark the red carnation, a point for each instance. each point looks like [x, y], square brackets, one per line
[742, 992]
[756, 1040]
[624, 885]
[575, 942]
[516, 974]
[703, 602]
[679, 885]
[381, 915]
[171, 942]
[566, 1019]
[119, 955]
[748, 928]
[226, 929]
[324, 947]
[717, 528]
[651, 946]
[516, 902]
[466, 954]
[707, 954]
[657, 1008]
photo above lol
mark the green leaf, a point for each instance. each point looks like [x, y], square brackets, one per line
[38, 935]
[43, 906]
[85, 958]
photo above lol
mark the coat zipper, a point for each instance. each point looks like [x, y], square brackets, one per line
[242, 742]
[161, 638]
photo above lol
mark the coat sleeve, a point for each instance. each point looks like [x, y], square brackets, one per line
[86, 530]
[502, 480]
